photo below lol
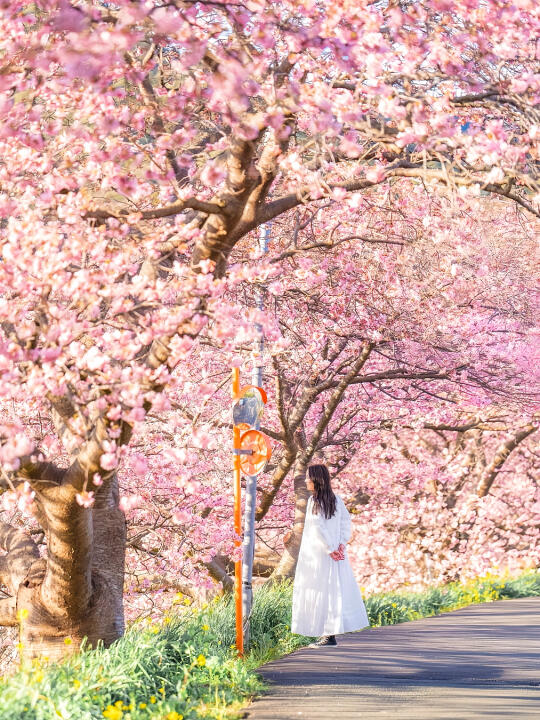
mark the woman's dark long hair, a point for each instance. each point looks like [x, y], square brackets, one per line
[324, 499]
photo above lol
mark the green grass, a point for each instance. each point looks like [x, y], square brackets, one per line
[393, 608]
[186, 668]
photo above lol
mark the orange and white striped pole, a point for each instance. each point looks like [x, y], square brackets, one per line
[237, 519]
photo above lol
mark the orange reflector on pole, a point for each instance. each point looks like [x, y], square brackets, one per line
[255, 452]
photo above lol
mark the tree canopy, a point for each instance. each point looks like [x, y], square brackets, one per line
[392, 146]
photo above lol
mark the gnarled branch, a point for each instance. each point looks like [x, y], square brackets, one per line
[209, 208]
[501, 456]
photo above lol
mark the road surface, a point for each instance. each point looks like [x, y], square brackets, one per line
[479, 662]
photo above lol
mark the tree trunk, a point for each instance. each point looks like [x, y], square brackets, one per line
[287, 564]
[76, 591]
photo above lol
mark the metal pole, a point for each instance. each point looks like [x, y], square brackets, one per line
[251, 480]
[237, 521]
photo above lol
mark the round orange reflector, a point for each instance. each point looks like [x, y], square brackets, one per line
[259, 445]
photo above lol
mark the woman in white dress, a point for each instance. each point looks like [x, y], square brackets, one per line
[326, 598]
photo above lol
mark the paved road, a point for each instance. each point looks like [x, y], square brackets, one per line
[480, 662]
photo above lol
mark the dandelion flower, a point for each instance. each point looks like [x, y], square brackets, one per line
[112, 713]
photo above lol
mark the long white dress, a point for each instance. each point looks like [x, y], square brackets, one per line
[326, 596]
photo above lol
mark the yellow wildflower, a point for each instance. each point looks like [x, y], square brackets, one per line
[112, 713]
[162, 690]
[205, 627]
[142, 706]
[173, 715]
[201, 660]
[22, 614]
[152, 699]
[76, 684]
[68, 640]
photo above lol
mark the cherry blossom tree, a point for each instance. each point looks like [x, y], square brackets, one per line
[414, 331]
[140, 143]
[444, 305]
[438, 515]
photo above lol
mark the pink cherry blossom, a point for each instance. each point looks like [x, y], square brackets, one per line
[388, 152]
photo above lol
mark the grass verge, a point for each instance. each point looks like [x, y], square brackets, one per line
[186, 667]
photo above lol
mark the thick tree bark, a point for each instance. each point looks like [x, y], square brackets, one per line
[75, 592]
[21, 553]
[218, 571]
[287, 564]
